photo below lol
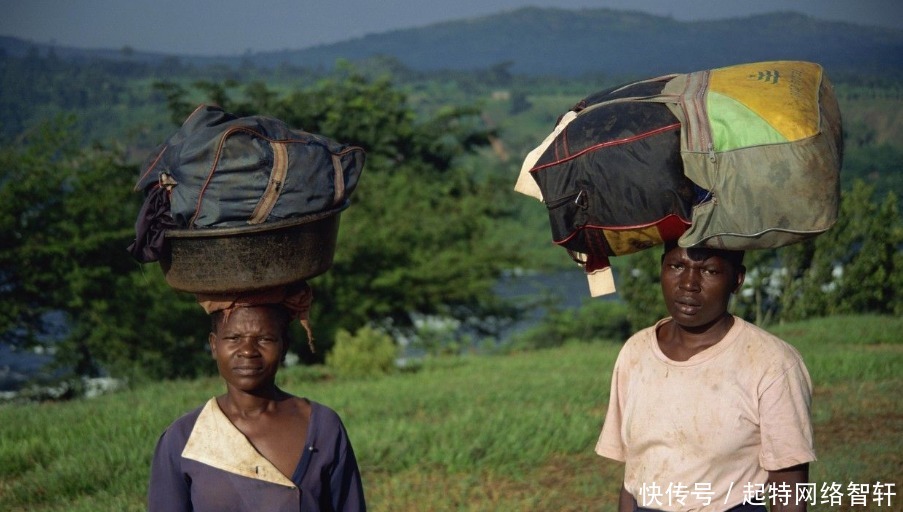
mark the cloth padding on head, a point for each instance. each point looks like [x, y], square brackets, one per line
[296, 297]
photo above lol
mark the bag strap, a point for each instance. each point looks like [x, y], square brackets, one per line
[339, 182]
[274, 187]
[277, 180]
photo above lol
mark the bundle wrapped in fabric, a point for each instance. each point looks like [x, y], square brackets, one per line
[296, 298]
[750, 159]
[242, 203]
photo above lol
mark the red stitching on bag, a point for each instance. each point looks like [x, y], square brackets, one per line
[219, 149]
[617, 142]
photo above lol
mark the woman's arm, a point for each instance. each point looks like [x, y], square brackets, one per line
[626, 503]
[791, 477]
[167, 490]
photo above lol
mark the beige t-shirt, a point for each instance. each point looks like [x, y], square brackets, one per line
[696, 434]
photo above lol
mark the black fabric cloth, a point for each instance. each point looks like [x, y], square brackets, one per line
[153, 221]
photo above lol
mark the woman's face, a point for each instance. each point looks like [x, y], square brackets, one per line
[249, 347]
[697, 285]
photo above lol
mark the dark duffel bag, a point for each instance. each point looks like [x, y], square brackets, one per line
[611, 176]
[223, 171]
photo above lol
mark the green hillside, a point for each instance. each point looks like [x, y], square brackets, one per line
[559, 42]
[552, 42]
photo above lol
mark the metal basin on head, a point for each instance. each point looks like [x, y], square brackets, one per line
[248, 258]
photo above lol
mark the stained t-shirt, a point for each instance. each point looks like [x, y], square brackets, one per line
[696, 434]
[203, 463]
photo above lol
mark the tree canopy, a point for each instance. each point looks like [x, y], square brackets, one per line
[66, 216]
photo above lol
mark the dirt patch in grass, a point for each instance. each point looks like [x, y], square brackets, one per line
[860, 428]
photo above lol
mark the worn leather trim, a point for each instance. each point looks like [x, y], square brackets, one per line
[274, 187]
[339, 181]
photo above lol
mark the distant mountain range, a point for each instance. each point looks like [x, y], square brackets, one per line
[542, 41]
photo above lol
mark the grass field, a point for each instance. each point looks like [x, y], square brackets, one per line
[481, 433]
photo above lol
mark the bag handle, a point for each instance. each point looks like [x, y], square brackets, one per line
[274, 187]
[339, 182]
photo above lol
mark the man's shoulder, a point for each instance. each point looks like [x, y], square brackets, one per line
[649, 332]
[751, 330]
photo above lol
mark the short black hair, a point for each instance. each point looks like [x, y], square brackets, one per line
[735, 258]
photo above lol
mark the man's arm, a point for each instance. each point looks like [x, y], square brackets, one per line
[791, 477]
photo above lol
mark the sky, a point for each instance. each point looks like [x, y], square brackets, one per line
[234, 27]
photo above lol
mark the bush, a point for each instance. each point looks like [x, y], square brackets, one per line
[368, 353]
[595, 320]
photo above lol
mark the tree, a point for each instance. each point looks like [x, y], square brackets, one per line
[413, 242]
[218, 93]
[640, 287]
[66, 218]
[758, 299]
[31, 200]
[857, 266]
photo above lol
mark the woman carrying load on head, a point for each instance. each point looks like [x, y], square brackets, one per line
[255, 447]
[707, 411]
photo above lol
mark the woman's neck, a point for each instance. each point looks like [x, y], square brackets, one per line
[246, 404]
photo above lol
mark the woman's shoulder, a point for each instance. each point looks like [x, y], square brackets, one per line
[761, 345]
[327, 430]
[770, 340]
[324, 415]
[640, 339]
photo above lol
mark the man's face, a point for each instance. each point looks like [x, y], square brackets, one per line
[248, 347]
[697, 285]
